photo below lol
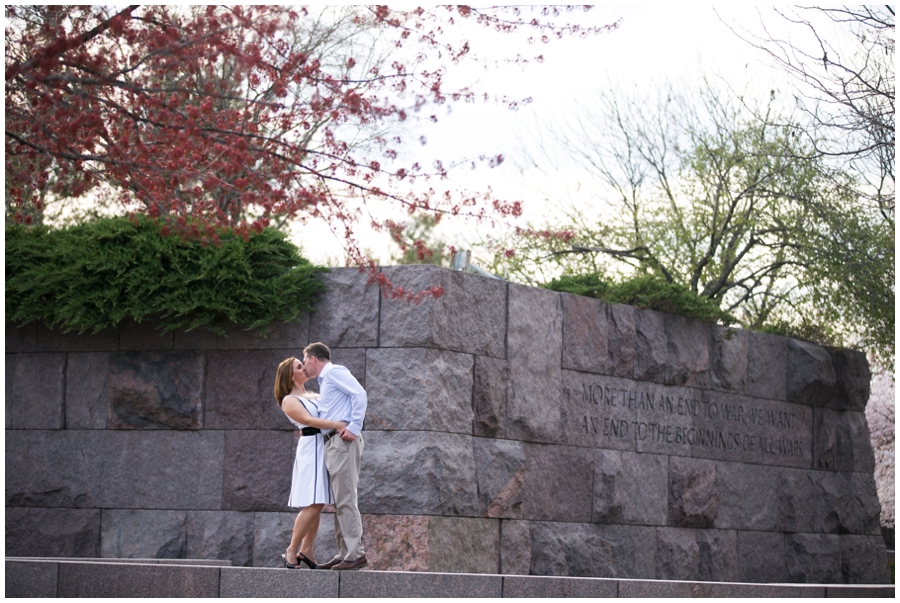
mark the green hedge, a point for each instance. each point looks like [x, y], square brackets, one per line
[644, 292]
[93, 275]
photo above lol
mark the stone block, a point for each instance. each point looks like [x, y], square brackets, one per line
[515, 547]
[601, 412]
[762, 557]
[842, 441]
[103, 469]
[470, 316]
[220, 535]
[693, 495]
[622, 414]
[597, 337]
[864, 560]
[521, 587]
[811, 377]
[845, 503]
[432, 544]
[257, 470]
[768, 366]
[108, 580]
[464, 545]
[851, 370]
[279, 335]
[54, 340]
[729, 359]
[651, 349]
[22, 339]
[87, 394]
[419, 389]
[677, 554]
[10, 387]
[500, 467]
[591, 550]
[200, 338]
[241, 582]
[535, 346]
[272, 535]
[156, 390]
[397, 542]
[347, 314]
[415, 585]
[688, 351]
[689, 554]
[630, 488]
[732, 427]
[747, 498]
[240, 389]
[158, 469]
[38, 391]
[146, 335]
[718, 559]
[57, 468]
[417, 473]
[353, 358]
[30, 579]
[143, 534]
[795, 491]
[843, 591]
[722, 590]
[621, 338]
[657, 589]
[677, 421]
[558, 483]
[813, 558]
[42, 532]
[489, 392]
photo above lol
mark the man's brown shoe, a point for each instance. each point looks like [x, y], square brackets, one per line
[351, 565]
[330, 564]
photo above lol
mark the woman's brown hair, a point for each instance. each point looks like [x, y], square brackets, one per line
[284, 379]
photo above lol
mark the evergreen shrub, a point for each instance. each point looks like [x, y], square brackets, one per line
[91, 276]
[644, 291]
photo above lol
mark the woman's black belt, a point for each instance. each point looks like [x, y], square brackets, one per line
[307, 431]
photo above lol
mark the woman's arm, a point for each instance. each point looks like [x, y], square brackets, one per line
[293, 408]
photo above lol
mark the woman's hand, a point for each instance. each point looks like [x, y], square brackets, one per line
[339, 425]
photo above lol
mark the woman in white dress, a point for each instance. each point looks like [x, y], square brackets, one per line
[310, 487]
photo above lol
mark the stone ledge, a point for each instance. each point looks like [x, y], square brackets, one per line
[419, 584]
[52, 577]
[214, 562]
[245, 582]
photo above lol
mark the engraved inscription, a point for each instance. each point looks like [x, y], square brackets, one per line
[624, 411]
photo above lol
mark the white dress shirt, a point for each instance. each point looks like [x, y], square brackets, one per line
[341, 397]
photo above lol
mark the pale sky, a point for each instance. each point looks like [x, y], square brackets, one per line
[653, 44]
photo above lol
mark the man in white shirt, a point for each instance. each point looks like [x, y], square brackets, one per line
[341, 398]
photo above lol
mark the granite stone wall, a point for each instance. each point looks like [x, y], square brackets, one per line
[510, 430]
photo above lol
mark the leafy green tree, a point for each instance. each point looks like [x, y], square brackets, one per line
[696, 190]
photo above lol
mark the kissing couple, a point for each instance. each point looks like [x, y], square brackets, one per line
[326, 466]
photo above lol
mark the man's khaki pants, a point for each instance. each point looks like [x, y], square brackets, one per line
[342, 463]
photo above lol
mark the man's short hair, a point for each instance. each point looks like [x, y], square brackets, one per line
[319, 350]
